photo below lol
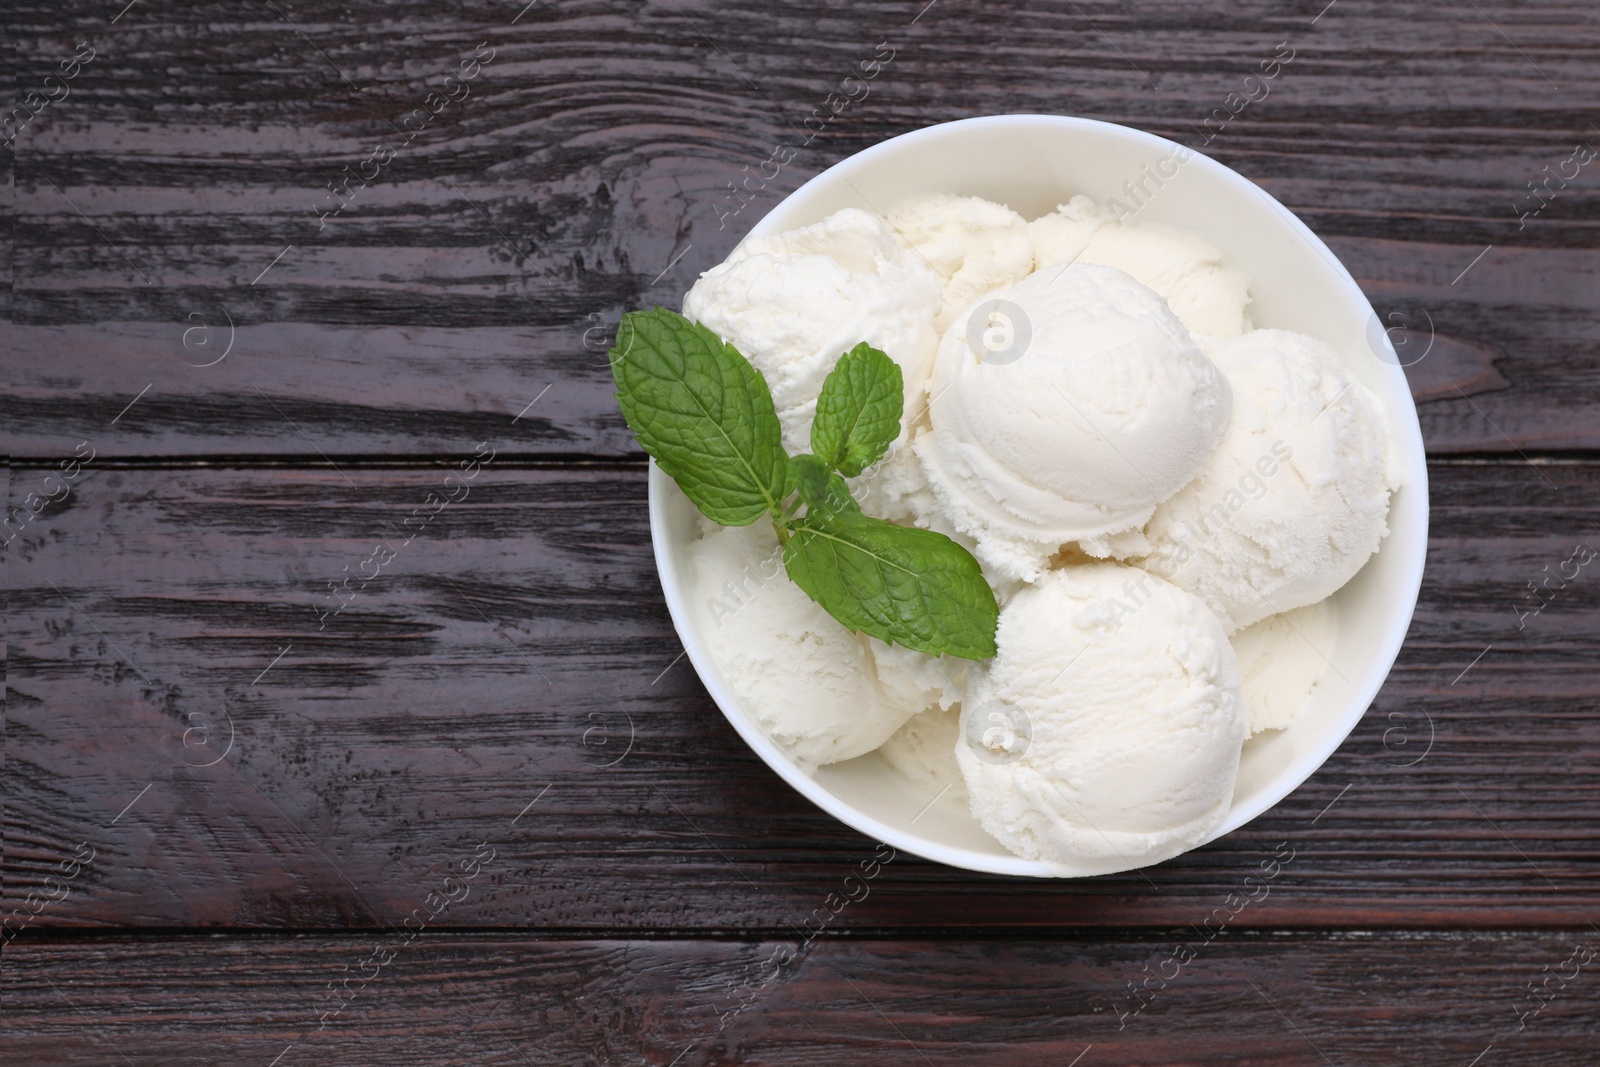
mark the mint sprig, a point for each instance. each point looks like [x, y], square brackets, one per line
[706, 415]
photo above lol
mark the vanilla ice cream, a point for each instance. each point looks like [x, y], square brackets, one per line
[1076, 388]
[794, 302]
[1208, 296]
[894, 488]
[1096, 406]
[915, 679]
[977, 246]
[809, 682]
[1295, 498]
[1281, 660]
[924, 750]
[1095, 735]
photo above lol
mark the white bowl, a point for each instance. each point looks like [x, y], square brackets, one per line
[1033, 163]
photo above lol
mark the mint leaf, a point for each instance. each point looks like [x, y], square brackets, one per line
[910, 587]
[703, 412]
[858, 410]
[821, 489]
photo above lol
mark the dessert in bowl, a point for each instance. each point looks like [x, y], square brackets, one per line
[1165, 422]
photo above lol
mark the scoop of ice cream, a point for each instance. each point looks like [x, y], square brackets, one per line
[924, 750]
[1067, 414]
[1296, 497]
[1110, 722]
[809, 682]
[1208, 297]
[977, 246]
[1281, 659]
[794, 302]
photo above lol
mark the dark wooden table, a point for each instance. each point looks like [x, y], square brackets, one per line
[278, 267]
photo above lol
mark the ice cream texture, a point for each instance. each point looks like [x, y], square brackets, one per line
[811, 684]
[1133, 729]
[924, 751]
[1281, 660]
[1295, 499]
[1104, 408]
[1208, 296]
[976, 245]
[793, 302]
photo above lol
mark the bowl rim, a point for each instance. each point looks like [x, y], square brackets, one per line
[1407, 438]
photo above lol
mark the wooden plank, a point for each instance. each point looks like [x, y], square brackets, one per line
[512, 678]
[171, 209]
[1286, 1000]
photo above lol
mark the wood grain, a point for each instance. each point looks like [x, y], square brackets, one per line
[167, 211]
[485, 687]
[1285, 1000]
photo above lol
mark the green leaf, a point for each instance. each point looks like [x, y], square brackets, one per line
[703, 412]
[706, 416]
[906, 586]
[821, 489]
[858, 410]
